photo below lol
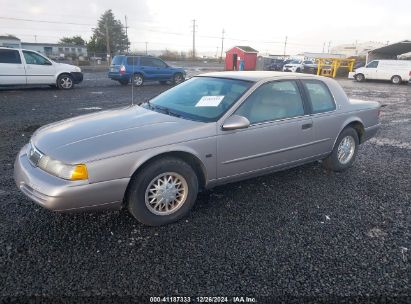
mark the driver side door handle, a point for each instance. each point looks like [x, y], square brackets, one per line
[307, 126]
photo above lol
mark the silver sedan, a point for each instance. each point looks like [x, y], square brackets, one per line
[213, 129]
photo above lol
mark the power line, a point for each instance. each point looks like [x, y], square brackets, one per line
[46, 21]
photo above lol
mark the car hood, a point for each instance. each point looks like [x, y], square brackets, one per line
[65, 66]
[115, 132]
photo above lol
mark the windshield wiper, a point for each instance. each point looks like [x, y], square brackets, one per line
[163, 109]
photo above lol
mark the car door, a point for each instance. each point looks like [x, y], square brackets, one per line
[39, 70]
[148, 67]
[164, 71]
[279, 133]
[322, 106]
[371, 70]
[12, 71]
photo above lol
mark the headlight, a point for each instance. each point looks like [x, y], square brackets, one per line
[77, 69]
[59, 169]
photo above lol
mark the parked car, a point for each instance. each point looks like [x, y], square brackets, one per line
[213, 129]
[276, 65]
[26, 67]
[296, 66]
[141, 68]
[396, 71]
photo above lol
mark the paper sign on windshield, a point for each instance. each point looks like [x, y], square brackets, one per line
[209, 101]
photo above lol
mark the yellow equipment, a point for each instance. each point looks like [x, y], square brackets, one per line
[329, 66]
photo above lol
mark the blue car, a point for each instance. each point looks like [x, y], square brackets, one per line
[141, 68]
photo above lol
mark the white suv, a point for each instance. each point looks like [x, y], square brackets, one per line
[296, 66]
[25, 67]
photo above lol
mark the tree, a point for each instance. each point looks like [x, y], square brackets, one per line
[118, 41]
[75, 40]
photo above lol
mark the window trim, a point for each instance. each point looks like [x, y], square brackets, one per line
[307, 95]
[303, 100]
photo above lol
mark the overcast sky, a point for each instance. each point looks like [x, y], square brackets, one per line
[258, 23]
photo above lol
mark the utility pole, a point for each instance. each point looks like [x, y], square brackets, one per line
[323, 47]
[222, 45]
[194, 39]
[35, 38]
[125, 19]
[146, 47]
[108, 45]
[329, 45]
[285, 45]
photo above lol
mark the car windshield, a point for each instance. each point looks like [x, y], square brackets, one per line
[295, 62]
[200, 98]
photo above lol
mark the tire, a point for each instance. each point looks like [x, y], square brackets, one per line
[346, 145]
[360, 77]
[396, 79]
[138, 80]
[154, 213]
[65, 82]
[124, 82]
[178, 78]
[298, 70]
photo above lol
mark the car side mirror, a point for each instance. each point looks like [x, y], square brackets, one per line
[235, 122]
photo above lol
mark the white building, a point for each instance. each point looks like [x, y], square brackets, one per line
[356, 49]
[52, 50]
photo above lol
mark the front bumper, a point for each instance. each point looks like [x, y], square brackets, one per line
[77, 77]
[61, 195]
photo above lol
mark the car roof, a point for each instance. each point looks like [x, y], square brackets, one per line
[255, 76]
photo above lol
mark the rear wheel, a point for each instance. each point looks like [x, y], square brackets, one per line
[163, 192]
[396, 79]
[359, 77]
[138, 80]
[65, 82]
[345, 150]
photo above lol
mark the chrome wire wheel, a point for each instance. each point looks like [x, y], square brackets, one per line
[166, 193]
[66, 82]
[346, 149]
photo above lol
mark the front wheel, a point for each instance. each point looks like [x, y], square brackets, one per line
[359, 77]
[65, 82]
[163, 192]
[345, 150]
[178, 78]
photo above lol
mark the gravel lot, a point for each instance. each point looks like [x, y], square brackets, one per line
[302, 233]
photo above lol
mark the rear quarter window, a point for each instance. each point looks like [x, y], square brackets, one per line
[10, 56]
[117, 60]
[319, 95]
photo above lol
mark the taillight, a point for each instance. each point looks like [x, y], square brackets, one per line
[122, 70]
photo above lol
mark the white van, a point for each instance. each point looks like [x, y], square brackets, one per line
[396, 71]
[25, 67]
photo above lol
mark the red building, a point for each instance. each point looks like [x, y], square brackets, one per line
[237, 53]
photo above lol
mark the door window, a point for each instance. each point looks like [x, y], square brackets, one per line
[10, 56]
[372, 64]
[273, 101]
[319, 95]
[146, 61]
[131, 60]
[33, 58]
[158, 63]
